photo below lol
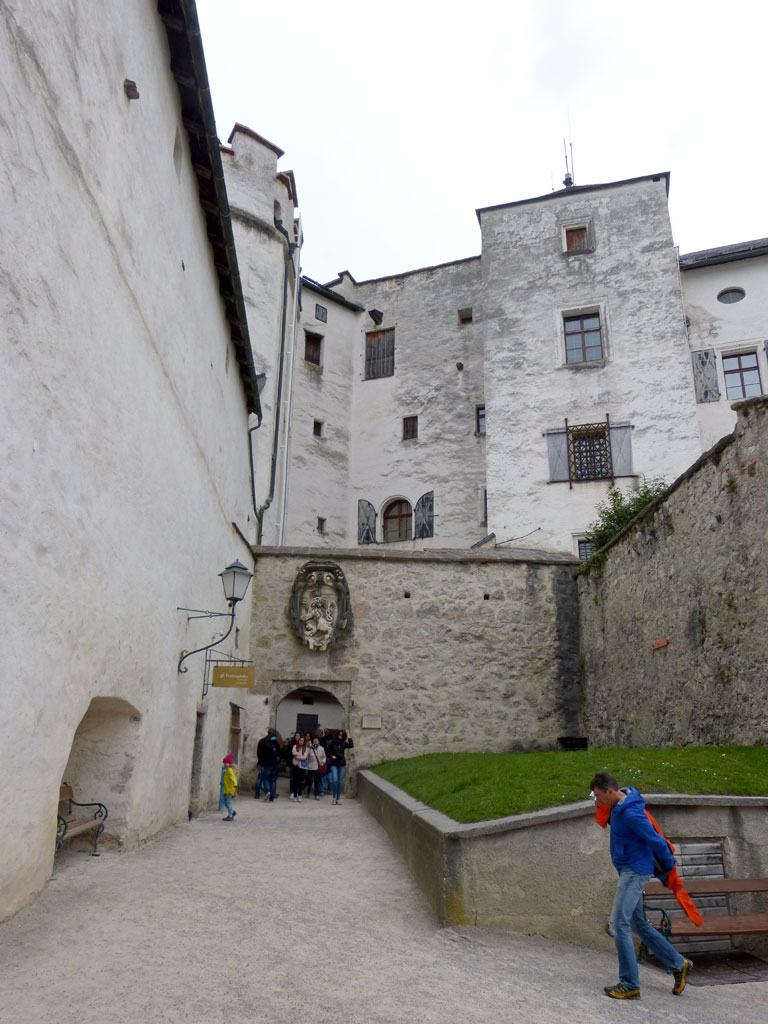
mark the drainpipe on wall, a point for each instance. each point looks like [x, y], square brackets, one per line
[259, 512]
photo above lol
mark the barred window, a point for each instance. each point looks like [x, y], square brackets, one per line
[586, 550]
[321, 313]
[410, 428]
[589, 452]
[380, 354]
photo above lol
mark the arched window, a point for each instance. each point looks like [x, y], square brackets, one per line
[398, 521]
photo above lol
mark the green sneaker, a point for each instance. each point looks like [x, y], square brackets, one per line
[622, 991]
[681, 976]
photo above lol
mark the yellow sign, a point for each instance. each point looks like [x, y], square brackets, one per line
[233, 675]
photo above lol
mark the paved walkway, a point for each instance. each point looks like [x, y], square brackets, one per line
[298, 914]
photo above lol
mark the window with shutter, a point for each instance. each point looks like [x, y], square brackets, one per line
[424, 515]
[380, 354]
[366, 522]
[705, 375]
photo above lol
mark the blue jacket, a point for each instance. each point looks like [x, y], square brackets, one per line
[634, 840]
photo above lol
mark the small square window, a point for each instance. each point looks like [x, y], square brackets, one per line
[313, 346]
[480, 419]
[465, 316]
[576, 239]
[321, 313]
[320, 525]
[410, 428]
[317, 428]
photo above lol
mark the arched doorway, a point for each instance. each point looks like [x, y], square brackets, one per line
[309, 708]
[101, 760]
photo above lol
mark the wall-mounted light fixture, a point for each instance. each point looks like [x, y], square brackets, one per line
[234, 579]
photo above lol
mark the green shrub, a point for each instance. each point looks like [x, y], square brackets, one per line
[620, 508]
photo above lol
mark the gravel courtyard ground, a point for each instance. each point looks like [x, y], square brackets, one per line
[298, 914]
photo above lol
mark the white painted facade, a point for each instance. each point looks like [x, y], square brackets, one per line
[125, 418]
[727, 329]
[488, 333]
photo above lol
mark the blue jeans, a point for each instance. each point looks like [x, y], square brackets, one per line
[627, 917]
[336, 771]
[269, 780]
[227, 797]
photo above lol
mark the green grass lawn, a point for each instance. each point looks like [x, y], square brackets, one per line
[476, 787]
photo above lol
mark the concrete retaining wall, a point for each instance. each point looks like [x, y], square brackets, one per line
[549, 873]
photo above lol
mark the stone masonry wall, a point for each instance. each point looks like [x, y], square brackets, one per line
[452, 651]
[673, 623]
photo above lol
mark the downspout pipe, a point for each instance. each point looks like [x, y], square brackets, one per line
[259, 512]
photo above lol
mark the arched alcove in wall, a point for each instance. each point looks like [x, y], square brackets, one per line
[101, 759]
[309, 708]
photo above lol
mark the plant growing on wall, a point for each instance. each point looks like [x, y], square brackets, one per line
[620, 508]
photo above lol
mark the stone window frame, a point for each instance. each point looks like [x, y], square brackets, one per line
[584, 224]
[321, 313]
[598, 309]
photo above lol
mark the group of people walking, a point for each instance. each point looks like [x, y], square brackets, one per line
[315, 763]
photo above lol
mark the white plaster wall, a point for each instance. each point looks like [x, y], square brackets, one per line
[646, 378]
[123, 416]
[448, 457]
[256, 195]
[726, 328]
[319, 484]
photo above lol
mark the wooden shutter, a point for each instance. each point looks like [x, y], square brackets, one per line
[621, 448]
[705, 375]
[366, 522]
[425, 515]
[557, 451]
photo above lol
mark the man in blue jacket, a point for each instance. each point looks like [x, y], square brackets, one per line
[637, 851]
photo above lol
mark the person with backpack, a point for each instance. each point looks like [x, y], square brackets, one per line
[268, 759]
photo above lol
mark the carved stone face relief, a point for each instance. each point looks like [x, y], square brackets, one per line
[319, 604]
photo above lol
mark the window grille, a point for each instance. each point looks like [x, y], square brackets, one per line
[589, 451]
[380, 354]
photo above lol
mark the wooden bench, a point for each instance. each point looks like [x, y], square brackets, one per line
[69, 824]
[717, 924]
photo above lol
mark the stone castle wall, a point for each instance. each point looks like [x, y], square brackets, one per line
[457, 651]
[673, 623]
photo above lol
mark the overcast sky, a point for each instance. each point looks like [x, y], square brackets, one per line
[400, 119]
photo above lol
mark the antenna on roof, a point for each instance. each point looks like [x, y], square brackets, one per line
[568, 179]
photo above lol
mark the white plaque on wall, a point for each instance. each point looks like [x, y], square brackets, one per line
[371, 722]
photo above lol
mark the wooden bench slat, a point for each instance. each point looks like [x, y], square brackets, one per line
[711, 886]
[717, 924]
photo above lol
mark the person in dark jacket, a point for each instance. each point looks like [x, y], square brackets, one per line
[337, 762]
[637, 851]
[268, 758]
